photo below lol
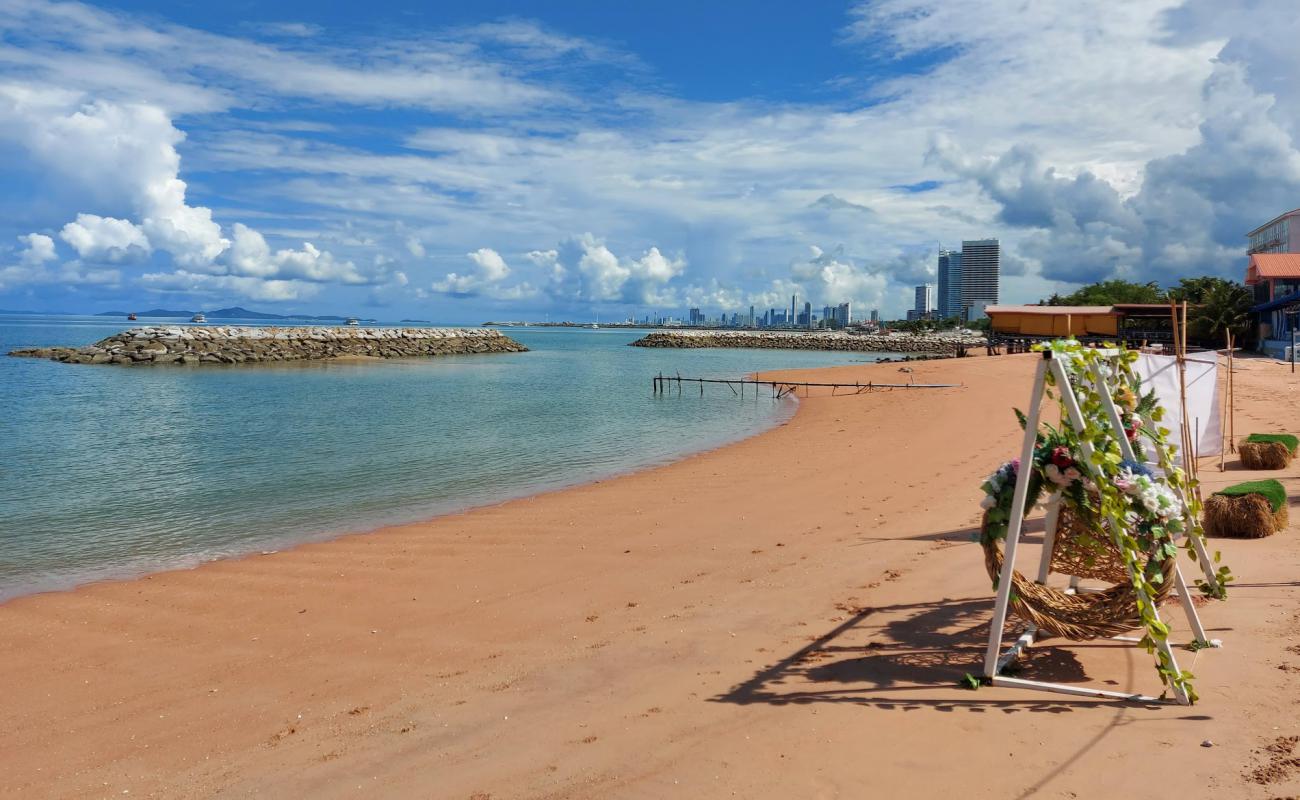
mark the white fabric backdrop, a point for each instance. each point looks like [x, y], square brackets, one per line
[1161, 373]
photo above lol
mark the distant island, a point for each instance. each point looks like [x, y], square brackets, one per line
[414, 322]
[234, 312]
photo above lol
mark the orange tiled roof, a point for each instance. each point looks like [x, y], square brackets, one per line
[1272, 265]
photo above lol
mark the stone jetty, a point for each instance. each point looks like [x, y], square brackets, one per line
[936, 344]
[237, 345]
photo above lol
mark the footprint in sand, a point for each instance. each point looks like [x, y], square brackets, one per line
[1279, 761]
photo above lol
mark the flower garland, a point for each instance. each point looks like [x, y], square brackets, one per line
[1143, 512]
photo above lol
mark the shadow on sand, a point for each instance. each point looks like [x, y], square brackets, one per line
[894, 656]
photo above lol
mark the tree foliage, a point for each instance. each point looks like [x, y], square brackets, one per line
[1108, 293]
[1222, 307]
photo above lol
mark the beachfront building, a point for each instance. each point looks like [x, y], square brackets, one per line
[948, 303]
[844, 314]
[1278, 235]
[1127, 322]
[981, 266]
[1275, 279]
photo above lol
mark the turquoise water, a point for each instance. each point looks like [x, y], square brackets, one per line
[114, 471]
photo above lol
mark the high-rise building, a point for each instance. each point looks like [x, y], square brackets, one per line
[805, 319]
[981, 264]
[696, 318]
[844, 314]
[794, 298]
[751, 316]
[1278, 235]
[924, 299]
[949, 301]
[875, 316]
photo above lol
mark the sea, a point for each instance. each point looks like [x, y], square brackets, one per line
[111, 472]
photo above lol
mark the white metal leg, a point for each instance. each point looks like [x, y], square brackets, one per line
[1015, 524]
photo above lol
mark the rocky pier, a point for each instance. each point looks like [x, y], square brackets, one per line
[935, 344]
[238, 345]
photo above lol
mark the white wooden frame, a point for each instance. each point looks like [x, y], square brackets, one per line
[995, 662]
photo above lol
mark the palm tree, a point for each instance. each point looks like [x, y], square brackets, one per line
[1223, 306]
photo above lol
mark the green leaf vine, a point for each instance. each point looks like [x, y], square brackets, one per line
[1143, 512]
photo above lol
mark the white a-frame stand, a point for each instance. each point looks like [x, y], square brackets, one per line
[995, 662]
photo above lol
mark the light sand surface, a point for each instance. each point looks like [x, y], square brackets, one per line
[785, 617]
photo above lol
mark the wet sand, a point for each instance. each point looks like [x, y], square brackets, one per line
[788, 616]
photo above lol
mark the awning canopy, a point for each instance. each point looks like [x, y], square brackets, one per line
[1279, 302]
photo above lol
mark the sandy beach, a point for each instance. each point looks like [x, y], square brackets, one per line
[788, 616]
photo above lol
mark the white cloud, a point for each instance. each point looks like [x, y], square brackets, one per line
[83, 47]
[251, 255]
[1101, 131]
[490, 271]
[39, 249]
[604, 277]
[105, 239]
[1190, 212]
[200, 283]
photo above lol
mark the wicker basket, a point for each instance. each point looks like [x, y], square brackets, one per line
[1085, 615]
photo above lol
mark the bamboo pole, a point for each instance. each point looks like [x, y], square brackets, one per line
[1232, 396]
[1227, 398]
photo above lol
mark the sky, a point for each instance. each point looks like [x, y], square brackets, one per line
[460, 162]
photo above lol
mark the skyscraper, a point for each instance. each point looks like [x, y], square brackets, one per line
[949, 302]
[981, 264]
[794, 298]
[924, 299]
[844, 314]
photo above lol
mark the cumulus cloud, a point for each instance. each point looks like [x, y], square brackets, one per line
[251, 255]
[1154, 163]
[486, 279]
[604, 277]
[39, 249]
[124, 157]
[1189, 215]
[105, 239]
[33, 267]
[202, 283]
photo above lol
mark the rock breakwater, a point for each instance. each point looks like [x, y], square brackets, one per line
[931, 344]
[237, 345]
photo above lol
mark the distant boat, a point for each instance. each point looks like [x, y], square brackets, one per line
[199, 318]
[353, 321]
[594, 325]
[131, 317]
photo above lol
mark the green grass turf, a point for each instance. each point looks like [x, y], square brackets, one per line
[1270, 489]
[1285, 438]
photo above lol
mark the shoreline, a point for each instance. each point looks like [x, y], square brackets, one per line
[286, 542]
[786, 615]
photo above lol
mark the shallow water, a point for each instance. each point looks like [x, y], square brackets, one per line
[113, 471]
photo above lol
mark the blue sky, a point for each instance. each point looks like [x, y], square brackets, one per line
[512, 160]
